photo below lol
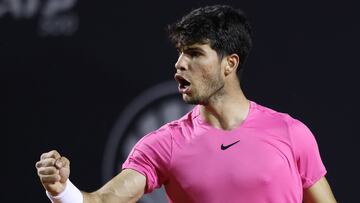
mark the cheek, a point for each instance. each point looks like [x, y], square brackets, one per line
[203, 70]
[204, 73]
[207, 81]
[203, 78]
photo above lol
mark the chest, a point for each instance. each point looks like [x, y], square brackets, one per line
[243, 160]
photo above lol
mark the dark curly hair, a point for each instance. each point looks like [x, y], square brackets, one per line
[224, 28]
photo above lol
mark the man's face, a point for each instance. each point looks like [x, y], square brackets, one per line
[199, 74]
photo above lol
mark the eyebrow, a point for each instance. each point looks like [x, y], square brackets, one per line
[197, 49]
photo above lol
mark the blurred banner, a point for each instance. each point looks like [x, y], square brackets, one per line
[54, 17]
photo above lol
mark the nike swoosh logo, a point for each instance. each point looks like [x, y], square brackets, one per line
[224, 147]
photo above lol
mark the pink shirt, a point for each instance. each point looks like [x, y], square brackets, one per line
[269, 158]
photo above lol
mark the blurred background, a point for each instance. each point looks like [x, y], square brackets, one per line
[90, 78]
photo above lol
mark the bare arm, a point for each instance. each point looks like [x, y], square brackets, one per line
[54, 170]
[320, 192]
[128, 186]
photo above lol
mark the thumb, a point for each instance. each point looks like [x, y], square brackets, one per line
[63, 165]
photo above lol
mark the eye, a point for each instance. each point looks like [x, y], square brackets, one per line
[194, 53]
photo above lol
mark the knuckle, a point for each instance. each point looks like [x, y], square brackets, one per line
[55, 153]
[43, 155]
[38, 164]
[49, 162]
[50, 154]
[46, 162]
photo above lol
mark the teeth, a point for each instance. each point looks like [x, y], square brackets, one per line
[183, 83]
[183, 86]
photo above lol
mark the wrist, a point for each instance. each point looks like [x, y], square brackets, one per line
[55, 189]
[71, 194]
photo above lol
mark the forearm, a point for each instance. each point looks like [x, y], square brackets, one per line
[107, 197]
[106, 194]
[91, 198]
[126, 187]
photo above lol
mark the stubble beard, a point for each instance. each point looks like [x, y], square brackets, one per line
[212, 91]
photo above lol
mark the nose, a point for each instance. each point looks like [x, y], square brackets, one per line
[181, 63]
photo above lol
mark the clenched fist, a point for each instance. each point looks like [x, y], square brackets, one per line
[53, 171]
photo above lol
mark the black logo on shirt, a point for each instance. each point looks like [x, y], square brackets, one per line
[224, 147]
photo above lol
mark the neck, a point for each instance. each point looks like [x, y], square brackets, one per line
[226, 112]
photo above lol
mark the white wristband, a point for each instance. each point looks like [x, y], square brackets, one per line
[70, 195]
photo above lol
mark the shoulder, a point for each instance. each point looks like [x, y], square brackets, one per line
[168, 130]
[186, 124]
[295, 128]
[269, 117]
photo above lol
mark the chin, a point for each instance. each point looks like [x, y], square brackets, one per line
[189, 100]
[192, 100]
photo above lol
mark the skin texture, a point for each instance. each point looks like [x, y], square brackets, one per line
[200, 66]
[213, 84]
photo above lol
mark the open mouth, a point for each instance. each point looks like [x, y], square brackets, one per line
[183, 83]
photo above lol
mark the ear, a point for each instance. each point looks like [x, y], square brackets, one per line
[232, 63]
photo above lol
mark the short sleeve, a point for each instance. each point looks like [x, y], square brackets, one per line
[307, 155]
[151, 157]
